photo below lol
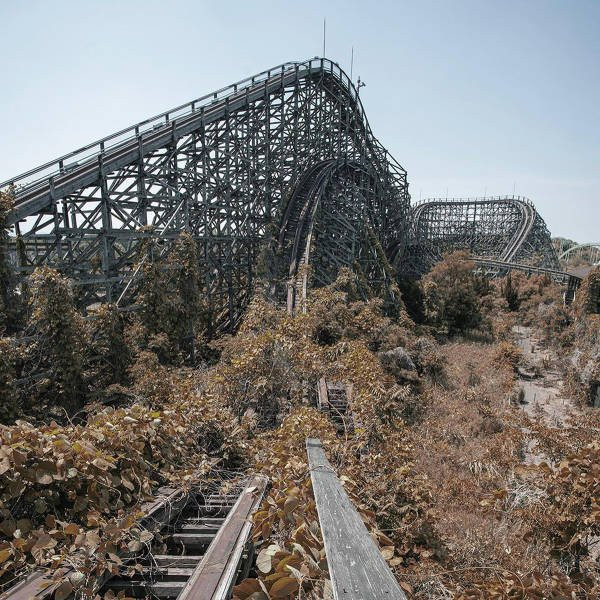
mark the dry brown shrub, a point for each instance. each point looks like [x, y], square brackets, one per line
[64, 486]
[435, 470]
[587, 297]
[10, 402]
[452, 295]
[508, 355]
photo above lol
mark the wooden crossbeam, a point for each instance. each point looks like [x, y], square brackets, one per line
[357, 569]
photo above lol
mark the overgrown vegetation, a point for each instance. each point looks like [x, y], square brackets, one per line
[120, 403]
[10, 302]
[452, 294]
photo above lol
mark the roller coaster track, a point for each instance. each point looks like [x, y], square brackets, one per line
[588, 253]
[284, 160]
[319, 190]
[231, 167]
[506, 229]
[335, 399]
[498, 268]
[527, 222]
[207, 541]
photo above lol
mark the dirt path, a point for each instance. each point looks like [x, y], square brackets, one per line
[541, 382]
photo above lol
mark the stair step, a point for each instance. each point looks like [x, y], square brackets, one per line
[171, 573]
[222, 498]
[177, 560]
[215, 509]
[193, 540]
[216, 521]
[191, 527]
[140, 589]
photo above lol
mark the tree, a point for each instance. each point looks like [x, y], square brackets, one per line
[9, 400]
[587, 297]
[110, 355]
[188, 287]
[170, 295]
[9, 300]
[510, 292]
[451, 294]
[390, 292]
[60, 340]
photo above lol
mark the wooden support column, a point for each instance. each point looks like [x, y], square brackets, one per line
[357, 569]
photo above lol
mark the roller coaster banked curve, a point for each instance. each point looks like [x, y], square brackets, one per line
[588, 253]
[506, 229]
[284, 157]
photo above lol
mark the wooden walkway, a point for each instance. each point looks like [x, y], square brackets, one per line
[357, 569]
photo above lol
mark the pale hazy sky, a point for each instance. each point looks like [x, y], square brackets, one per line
[470, 96]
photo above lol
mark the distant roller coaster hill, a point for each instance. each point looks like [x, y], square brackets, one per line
[504, 229]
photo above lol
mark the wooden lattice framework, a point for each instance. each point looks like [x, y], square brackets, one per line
[505, 228]
[230, 168]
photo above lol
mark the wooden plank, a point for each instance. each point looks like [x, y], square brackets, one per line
[215, 510]
[168, 573]
[207, 521]
[213, 578]
[323, 400]
[199, 527]
[141, 589]
[193, 541]
[349, 393]
[356, 567]
[176, 560]
[38, 585]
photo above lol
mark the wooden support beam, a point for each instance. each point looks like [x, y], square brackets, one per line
[357, 569]
[322, 397]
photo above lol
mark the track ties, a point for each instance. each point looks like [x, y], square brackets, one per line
[334, 399]
[205, 552]
[202, 550]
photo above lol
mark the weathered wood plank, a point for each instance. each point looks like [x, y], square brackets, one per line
[193, 541]
[213, 578]
[356, 567]
[322, 399]
[176, 560]
[141, 589]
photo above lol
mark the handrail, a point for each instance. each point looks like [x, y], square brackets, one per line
[521, 267]
[114, 140]
[471, 199]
